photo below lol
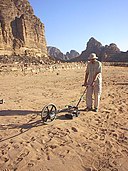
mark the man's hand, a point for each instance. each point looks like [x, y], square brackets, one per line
[85, 84]
[92, 84]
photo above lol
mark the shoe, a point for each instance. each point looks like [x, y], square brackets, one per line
[1, 101]
[95, 110]
[88, 109]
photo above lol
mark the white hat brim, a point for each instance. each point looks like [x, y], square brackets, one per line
[93, 57]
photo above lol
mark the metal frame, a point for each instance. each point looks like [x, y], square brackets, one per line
[50, 111]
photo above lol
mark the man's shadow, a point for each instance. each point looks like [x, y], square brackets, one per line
[17, 112]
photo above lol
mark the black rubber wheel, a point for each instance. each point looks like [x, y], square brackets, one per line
[48, 113]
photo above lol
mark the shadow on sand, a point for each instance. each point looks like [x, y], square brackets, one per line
[62, 116]
[17, 112]
[24, 127]
[21, 127]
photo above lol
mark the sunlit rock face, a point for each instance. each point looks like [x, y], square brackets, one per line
[21, 32]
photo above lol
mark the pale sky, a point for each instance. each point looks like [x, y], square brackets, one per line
[69, 24]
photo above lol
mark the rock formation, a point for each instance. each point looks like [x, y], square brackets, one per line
[21, 32]
[103, 52]
[57, 54]
[71, 54]
[107, 53]
[121, 57]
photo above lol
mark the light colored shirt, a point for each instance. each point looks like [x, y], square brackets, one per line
[92, 69]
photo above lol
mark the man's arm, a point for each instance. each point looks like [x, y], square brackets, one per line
[94, 79]
[86, 78]
[99, 70]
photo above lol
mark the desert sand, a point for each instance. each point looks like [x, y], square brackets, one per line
[91, 142]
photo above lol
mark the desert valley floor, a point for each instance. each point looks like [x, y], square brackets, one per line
[90, 142]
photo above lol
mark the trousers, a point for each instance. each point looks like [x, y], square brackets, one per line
[96, 91]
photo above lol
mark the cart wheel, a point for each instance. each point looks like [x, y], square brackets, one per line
[48, 113]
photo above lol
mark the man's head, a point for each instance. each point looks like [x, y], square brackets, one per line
[92, 57]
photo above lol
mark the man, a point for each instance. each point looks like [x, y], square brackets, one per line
[93, 82]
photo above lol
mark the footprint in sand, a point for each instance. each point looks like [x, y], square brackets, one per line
[90, 169]
[21, 157]
[5, 159]
[31, 163]
[74, 129]
[102, 137]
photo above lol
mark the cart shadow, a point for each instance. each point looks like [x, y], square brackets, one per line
[62, 117]
[17, 112]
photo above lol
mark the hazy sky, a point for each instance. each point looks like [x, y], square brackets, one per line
[69, 24]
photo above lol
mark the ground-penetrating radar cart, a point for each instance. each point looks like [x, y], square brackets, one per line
[50, 111]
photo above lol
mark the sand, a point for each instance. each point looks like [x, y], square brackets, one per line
[91, 142]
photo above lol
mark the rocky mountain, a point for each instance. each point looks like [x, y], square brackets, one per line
[21, 32]
[105, 53]
[121, 57]
[58, 55]
[55, 53]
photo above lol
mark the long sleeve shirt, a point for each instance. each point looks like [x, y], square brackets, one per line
[92, 70]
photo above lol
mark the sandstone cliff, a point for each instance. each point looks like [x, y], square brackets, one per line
[21, 32]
